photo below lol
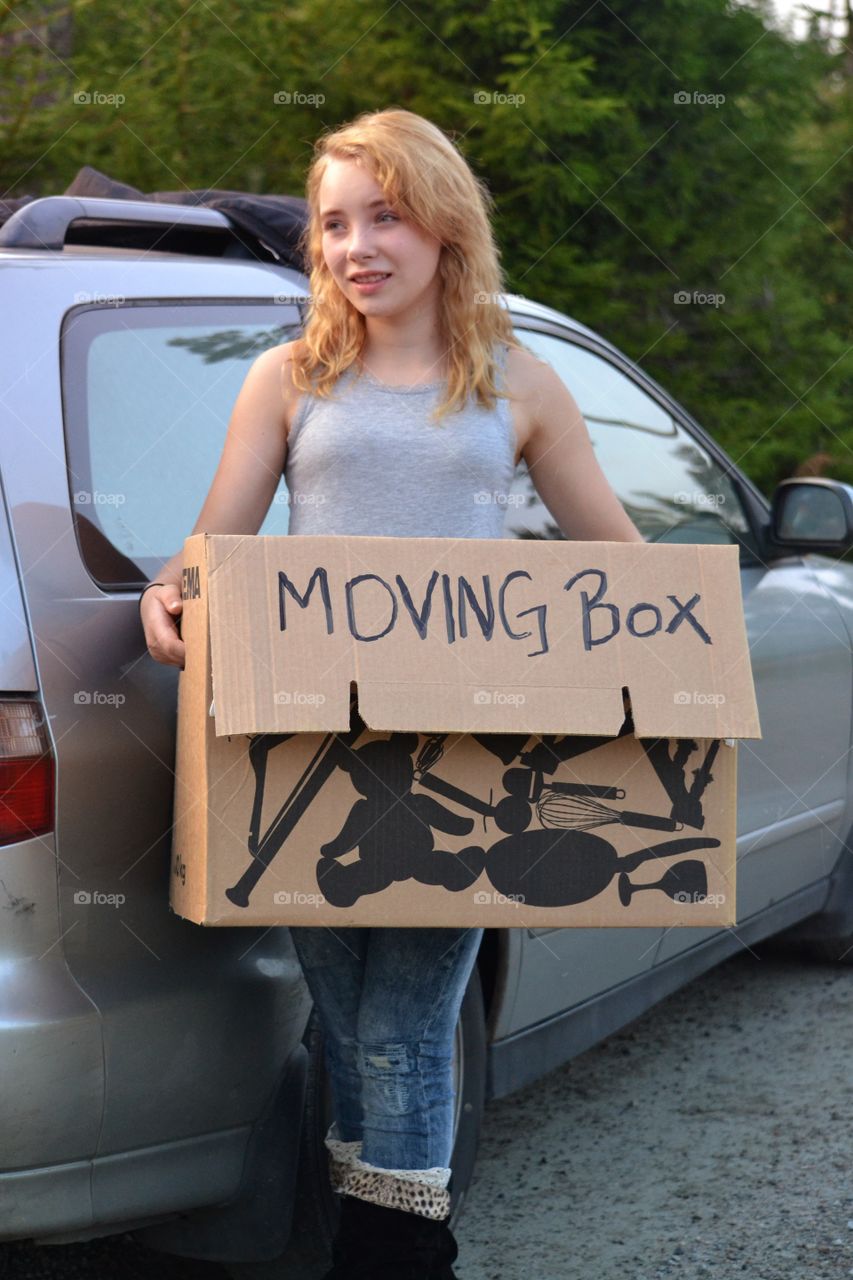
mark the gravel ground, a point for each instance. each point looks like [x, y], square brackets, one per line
[711, 1138]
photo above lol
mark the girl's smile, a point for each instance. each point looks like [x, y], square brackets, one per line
[370, 283]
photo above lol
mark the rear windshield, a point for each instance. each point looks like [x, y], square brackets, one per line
[148, 390]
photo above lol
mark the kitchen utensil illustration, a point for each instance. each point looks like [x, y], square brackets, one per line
[556, 808]
[558, 864]
[558, 804]
[686, 802]
[558, 869]
[685, 882]
[570, 868]
[553, 749]
[331, 751]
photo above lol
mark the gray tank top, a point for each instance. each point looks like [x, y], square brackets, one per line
[370, 461]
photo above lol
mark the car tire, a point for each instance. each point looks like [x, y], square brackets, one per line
[316, 1209]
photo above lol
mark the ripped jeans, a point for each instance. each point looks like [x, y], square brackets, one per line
[388, 1001]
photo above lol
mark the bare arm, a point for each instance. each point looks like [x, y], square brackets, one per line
[563, 465]
[240, 494]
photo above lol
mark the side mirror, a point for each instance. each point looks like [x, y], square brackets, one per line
[813, 515]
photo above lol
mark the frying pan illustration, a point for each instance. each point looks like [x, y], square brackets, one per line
[560, 868]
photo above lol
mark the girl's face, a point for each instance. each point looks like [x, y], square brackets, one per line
[363, 235]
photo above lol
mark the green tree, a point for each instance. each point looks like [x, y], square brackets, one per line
[614, 196]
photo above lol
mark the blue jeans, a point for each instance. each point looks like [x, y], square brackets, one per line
[388, 1001]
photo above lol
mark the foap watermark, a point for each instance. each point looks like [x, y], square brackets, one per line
[299, 697]
[483, 497]
[491, 897]
[284, 898]
[287, 499]
[498, 697]
[697, 498]
[94, 98]
[109, 299]
[294, 98]
[481, 299]
[686, 297]
[698, 99]
[713, 899]
[97, 498]
[698, 697]
[94, 698]
[492, 97]
[95, 898]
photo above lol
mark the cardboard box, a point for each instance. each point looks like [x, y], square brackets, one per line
[434, 731]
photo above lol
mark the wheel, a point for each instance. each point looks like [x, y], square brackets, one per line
[316, 1210]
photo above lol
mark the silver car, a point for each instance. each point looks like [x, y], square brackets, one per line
[166, 1079]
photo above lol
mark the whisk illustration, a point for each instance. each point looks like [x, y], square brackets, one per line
[575, 806]
[564, 805]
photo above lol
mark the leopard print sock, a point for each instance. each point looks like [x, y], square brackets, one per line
[422, 1191]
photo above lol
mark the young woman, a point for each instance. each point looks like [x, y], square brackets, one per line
[406, 402]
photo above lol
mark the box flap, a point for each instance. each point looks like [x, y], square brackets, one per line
[477, 635]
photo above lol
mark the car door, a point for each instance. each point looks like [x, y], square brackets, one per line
[792, 782]
[148, 386]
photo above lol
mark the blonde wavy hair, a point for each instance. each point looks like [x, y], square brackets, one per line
[423, 175]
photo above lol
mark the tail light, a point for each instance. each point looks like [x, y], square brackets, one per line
[26, 772]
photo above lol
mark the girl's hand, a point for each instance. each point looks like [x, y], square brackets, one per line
[160, 609]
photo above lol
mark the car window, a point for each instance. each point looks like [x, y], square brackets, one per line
[148, 391]
[669, 484]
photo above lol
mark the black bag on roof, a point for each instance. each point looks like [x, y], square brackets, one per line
[275, 221]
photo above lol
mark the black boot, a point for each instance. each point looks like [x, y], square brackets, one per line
[375, 1242]
[346, 1244]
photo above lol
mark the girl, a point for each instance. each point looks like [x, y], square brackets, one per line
[388, 418]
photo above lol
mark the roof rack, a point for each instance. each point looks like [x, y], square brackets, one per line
[98, 210]
[45, 223]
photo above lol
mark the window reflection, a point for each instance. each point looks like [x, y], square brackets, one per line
[149, 391]
[672, 489]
